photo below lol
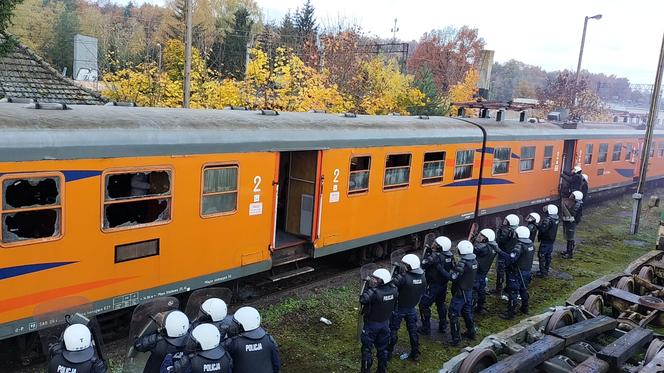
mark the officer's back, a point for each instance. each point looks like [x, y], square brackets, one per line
[253, 350]
[75, 353]
[411, 285]
[209, 356]
[172, 341]
[381, 301]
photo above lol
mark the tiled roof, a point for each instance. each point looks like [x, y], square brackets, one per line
[23, 74]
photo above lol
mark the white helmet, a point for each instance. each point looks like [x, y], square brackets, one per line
[383, 274]
[577, 195]
[248, 317]
[551, 209]
[535, 216]
[489, 234]
[207, 336]
[577, 169]
[215, 308]
[465, 247]
[444, 243]
[522, 232]
[77, 337]
[176, 324]
[512, 220]
[585, 177]
[412, 261]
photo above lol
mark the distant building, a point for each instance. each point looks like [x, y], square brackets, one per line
[25, 75]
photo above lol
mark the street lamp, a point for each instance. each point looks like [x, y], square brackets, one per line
[583, 42]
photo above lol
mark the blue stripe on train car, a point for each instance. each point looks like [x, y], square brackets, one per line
[10, 272]
[625, 172]
[485, 181]
[73, 175]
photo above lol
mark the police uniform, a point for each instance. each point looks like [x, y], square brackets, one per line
[506, 239]
[159, 346]
[573, 181]
[519, 263]
[534, 229]
[254, 351]
[569, 224]
[485, 253]
[463, 277]
[547, 237]
[436, 266]
[411, 286]
[378, 302]
[84, 361]
[225, 325]
[214, 360]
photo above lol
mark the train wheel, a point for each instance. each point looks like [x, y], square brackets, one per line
[478, 360]
[594, 304]
[626, 283]
[377, 251]
[561, 317]
[655, 346]
[646, 273]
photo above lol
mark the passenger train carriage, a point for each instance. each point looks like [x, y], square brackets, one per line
[120, 204]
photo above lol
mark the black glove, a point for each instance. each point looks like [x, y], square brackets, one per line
[146, 343]
[98, 366]
[54, 349]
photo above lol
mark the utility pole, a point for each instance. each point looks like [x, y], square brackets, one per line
[187, 57]
[645, 152]
[394, 30]
[578, 65]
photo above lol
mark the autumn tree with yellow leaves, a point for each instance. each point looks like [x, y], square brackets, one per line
[387, 90]
[464, 91]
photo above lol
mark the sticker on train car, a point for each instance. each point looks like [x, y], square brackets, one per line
[256, 208]
[334, 197]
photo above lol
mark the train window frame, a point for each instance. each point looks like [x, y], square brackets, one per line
[359, 192]
[400, 186]
[125, 170]
[521, 159]
[457, 165]
[617, 152]
[501, 161]
[433, 180]
[588, 154]
[653, 145]
[599, 153]
[60, 206]
[213, 166]
[660, 150]
[547, 157]
[628, 151]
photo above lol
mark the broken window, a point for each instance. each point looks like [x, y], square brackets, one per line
[219, 190]
[397, 171]
[137, 198]
[433, 167]
[31, 208]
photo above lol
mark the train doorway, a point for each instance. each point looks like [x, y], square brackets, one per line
[568, 155]
[296, 198]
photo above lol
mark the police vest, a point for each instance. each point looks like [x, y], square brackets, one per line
[466, 279]
[448, 260]
[412, 289]
[382, 304]
[252, 352]
[525, 262]
[549, 235]
[506, 238]
[431, 273]
[59, 364]
[165, 346]
[215, 360]
[485, 261]
[533, 231]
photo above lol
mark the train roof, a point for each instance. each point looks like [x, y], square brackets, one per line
[111, 131]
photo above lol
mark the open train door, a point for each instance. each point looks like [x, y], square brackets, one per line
[568, 160]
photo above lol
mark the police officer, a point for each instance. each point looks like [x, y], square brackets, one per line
[215, 311]
[411, 284]
[208, 355]
[573, 180]
[532, 222]
[547, 237]
[584, 187]
[437, 263]
[379, 300]
[169, 339]
[485, 250]
[506, 239]
[519, 263]
[253, 350]
[463, 277]
[78, 354]
[572, 211]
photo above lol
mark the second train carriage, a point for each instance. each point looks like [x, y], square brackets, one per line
[121, 204]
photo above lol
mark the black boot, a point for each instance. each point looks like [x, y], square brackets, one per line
[569, 251]
[524, 307]
[509, 313]
[365, 366]
[455, 332]
[425, 328]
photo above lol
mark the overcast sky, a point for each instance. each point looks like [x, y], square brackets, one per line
[625, 42]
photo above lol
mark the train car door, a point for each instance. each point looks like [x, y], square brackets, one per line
[296, 196]
[568, 155]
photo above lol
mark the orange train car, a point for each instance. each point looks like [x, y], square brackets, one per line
[119, 204]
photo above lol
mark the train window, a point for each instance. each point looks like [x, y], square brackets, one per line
[463, 168]
[527, 158]
[588, 157]
[603, 151]
[397, 171]
[434, 165]
[600, 171]
[652, 149]
[31, 207]
[136, 198]
[617, 149]
[548, 157]
[219, 190]
[628, 152]
[501, 160]
[660, 150]
[358, 179]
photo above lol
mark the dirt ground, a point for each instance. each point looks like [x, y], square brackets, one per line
[308, 345]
